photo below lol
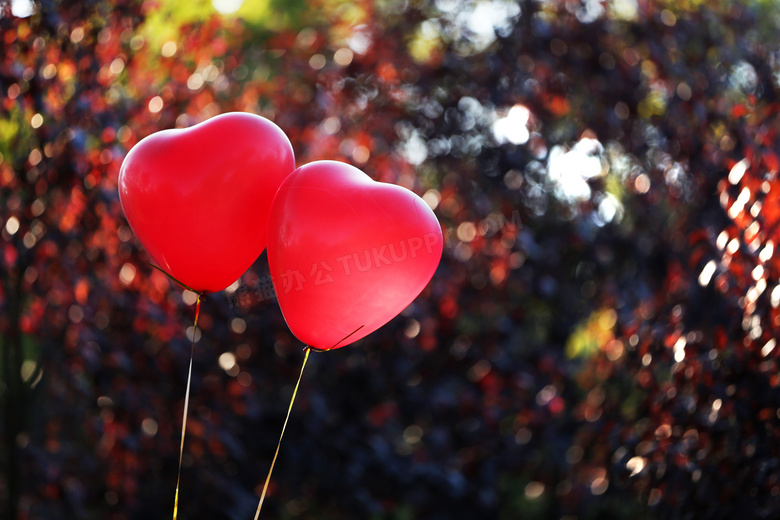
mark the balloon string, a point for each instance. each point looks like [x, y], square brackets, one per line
[338, 342]
[169, 275]
[186, 407]
[284, 427]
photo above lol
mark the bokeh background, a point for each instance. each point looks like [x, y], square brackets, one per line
[598, 342]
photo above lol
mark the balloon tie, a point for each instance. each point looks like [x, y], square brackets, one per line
[307, 351]
[186, 405]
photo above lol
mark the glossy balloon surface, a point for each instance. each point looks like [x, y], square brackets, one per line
[346, 253]
[198, 198]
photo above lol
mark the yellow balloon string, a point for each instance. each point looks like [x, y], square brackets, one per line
[284, 427]
[186, 407]
[289, 409]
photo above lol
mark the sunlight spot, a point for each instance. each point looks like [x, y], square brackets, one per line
[22, 8]
[755, 209]
[514, 127]
[155, 104]
[49, 71]
[590, 11]
[546, 395]
[331, 125]
[343, 56]
[480, 22]
[570, 170]
[534, 490]
[361, 154]
[513, 179]
[317, 61]
[768, 347]
[77, 35]
[190, 331]
[609, 208]
[104, 402]
[412, 329]
[227, 362]
[169, 48]
[238, 325]
[414, 149]
[117, 66]
[769, 250]
[739, 204]
[707, 272]
[668, 18]
[432, 198]
[679, 349]
[467, 232]
[723, 239]
[774, 298]
[635, 465]
[752, 230]
[738, 170]
[626, 9]
[28, 370]
[127, 274]
[599, 485]
[195, 81]
[360, 40]
[149, 427]
[227, 6]
[743, 76]
[642, 183]
[12, 225]
[189, 297]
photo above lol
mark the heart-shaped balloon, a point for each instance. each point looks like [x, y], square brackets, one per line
[198, 198]
[346, 253]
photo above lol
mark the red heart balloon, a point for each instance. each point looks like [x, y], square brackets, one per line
[198, 198]
[346, 253]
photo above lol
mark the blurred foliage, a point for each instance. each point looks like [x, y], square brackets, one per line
[598, 342]
[595, 332]
[165, 19]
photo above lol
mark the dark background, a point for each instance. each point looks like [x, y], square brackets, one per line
[598, 341]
